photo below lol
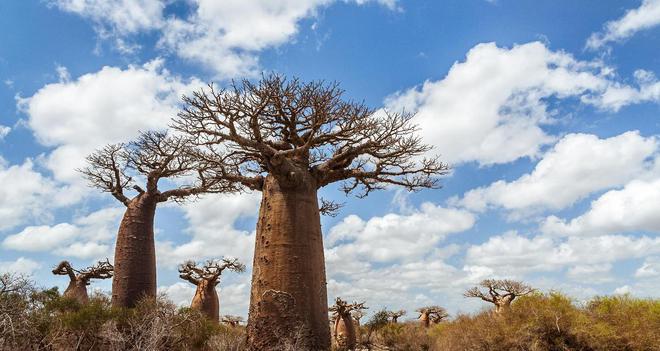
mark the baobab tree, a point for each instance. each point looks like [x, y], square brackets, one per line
[232, 321]
[154, 156]
[79, 279]
[501, 293]
[430, 314]
[394, 315]
[344, 330]
[287, 139]
[206, 278]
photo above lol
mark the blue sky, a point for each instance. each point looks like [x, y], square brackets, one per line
[546, 110]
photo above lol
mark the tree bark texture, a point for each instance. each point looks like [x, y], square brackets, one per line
[288, 301]
[206, 300]
[424, 320]
[135, 254]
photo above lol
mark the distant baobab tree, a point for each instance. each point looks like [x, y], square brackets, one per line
[79, 279]
[357, 315]
[154, 156]
[430, 314]
[501, 293]
[344, 330]
[206, 278]
[288, 139]
[394, 315]
[232, 321]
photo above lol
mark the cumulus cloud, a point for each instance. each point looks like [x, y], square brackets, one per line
[224, 36]
[21, 265]
[395, 236]
[578, 165]
[517, 254]
[631, 209]
[491, 107]
[88, 237]
[26, 195]
[644, 17]
[109, 106]
[212, 227]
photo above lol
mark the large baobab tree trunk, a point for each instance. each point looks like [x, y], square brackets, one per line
[206, 300]
[135, 254]
[288, 301]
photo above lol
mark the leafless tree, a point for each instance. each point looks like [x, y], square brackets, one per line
[153, 156]
[206, 278]
[394, 315]
[501, 293]
[430, 314]
[79, 279]
[344, 330]
[287, 139]
[13, 283]
[232, 321]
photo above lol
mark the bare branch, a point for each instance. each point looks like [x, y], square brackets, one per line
[329, 208]
[106, 170]
[499, 292]
[101, 270]
[210, 271]
[282, 127]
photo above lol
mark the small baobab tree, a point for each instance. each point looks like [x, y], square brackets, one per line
[206, 278]
[232, 321]
[344, 330]
[287, 139]
[501, 293]
[394, 315]
[430, 314]
[79, 279]
[154, 156]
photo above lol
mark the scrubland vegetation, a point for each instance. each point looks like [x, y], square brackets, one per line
[42, 319]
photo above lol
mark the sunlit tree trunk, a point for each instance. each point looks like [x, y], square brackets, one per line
[206, 300]
[77, 290]
[288, 301]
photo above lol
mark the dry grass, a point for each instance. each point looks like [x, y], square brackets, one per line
[42, 320]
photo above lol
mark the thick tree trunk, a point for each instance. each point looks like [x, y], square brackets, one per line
[288, 301]
[345, 333]
[424, 320]
[206, 300]
[77, 290]
[135, 254]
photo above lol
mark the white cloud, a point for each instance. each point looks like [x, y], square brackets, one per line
[225, 36]
[26, 195]
[119, 17]
[4, 130]
[89, 237]
[491, 107]
[395, 236]
[622, 290]
[650, 268]
[22, 265]
[108, 106]
[41, 238]
[212, 221]
[517, 254]
[618, 95]
[593, 273]
[644, 17]
[578, 165]
[633, 208]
